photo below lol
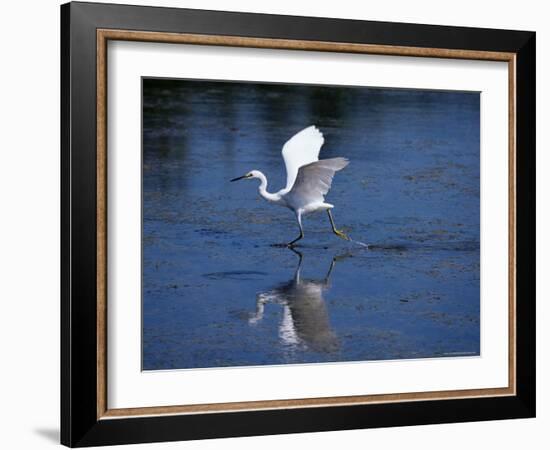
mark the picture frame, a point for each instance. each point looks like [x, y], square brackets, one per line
[86, 418]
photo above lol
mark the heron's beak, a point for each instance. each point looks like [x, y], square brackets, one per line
[238, 178]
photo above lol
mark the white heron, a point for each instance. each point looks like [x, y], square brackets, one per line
[308, 179]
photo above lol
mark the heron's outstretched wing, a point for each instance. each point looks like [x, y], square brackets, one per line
[301, 149]
[314, 179]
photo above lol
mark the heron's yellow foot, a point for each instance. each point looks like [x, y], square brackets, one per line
[342, 235]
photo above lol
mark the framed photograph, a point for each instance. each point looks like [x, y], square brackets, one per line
[276, 224]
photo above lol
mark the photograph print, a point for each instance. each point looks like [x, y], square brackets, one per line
[301, 224]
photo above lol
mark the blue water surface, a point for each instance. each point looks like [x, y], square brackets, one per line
[217, 293]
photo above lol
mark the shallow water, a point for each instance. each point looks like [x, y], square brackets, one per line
[215, 290]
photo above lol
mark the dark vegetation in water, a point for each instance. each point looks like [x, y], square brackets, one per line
[217, 293]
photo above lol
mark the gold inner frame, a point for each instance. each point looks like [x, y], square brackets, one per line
[104, 35]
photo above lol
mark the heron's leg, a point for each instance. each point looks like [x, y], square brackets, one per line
[299, 219]
[337, 232]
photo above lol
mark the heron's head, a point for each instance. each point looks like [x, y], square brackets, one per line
[248, 176]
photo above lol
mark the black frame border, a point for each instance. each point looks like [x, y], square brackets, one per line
[79, 423]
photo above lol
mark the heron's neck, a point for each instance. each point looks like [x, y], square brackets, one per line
[263, 189]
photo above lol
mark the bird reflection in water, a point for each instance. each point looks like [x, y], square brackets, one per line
[305, 324]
